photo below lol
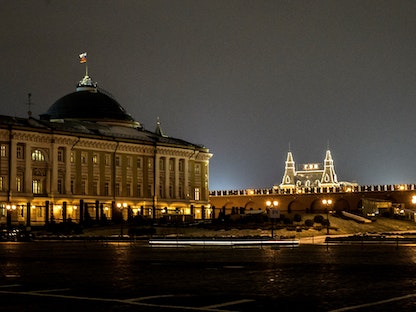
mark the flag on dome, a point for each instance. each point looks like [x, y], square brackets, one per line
[83, 57]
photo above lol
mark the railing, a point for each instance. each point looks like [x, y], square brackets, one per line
[316, 190]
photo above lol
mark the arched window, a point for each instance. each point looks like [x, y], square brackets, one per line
[38, 155]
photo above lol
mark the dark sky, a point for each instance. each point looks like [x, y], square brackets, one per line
[244, 78]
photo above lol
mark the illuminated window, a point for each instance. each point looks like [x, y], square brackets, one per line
[37, 186]
[149, 163]
[1, 183]
[38, 155]
[95, 159]
[3, 150]
[19, 184]
[72, 157]
[197, 194]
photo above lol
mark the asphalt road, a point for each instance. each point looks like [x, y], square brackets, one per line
[98, 276]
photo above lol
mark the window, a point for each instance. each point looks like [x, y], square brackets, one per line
[181, 165]
[83, 158]
[197, 194]
[149, 163]
[37, 186]
[38, 155]
[72, 186]
[3, 150]
[1, 183]
[171, 164]
[60, 186]
[19, 184]
[139, 163]
[197, 168]
[61, 157]
[162, 164]
[117, 160]
[95, 159]
[117, 189]
[128, 161]
[20, 151]
[95, 187]
[139, 190]
[83, 186]
[72, 157]
[128, 189]
[107, 188]
[107, 159]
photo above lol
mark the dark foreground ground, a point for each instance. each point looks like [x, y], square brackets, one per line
[126, 276]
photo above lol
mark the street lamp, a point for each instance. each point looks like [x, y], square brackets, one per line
[121, 207]
[9, 215]
[327, 203]
[274, 213]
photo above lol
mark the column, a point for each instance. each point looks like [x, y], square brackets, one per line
[53, 184]
[12, 160]
[176, 186]
[28, 169]
[28, 214]
[67, 171]
[186, 177]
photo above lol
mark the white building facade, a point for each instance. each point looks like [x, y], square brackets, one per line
[87, 159]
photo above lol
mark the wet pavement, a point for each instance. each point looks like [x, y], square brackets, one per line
[131, 276]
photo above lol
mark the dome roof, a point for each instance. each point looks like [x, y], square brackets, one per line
[88, 103]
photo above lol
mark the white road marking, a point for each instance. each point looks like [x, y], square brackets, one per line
[214, 306]
[12, 285]
[128, 301]
[370, 304]
[49, 290]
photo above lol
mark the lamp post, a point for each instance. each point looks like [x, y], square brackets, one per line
[274, 213]
[121, 207]
[9, 208]
[327, 203]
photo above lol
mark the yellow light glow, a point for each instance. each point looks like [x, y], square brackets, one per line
[275, 203]
[268, 203]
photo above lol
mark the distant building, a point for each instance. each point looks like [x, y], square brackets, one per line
[311, 175]
[87, 158]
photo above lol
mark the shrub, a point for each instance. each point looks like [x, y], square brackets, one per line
[318, 219]
[297, 218]
[309, 222]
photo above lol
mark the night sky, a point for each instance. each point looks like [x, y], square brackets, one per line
[247, 79]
